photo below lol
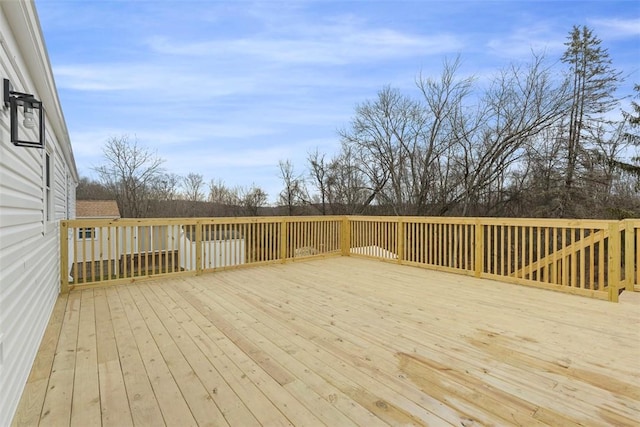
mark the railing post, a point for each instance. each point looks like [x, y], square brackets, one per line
[345, 236]
[400, 237]
[64, 257]
[479, 248]
[284, 241]
[629, 240]
[613, 261]
[198, 226]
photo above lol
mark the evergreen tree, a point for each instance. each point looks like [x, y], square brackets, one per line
[633, 137]
[634, 117]
[593, 84]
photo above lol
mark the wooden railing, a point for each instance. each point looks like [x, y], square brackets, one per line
[587, 257]
[631, 233]
[125, 250]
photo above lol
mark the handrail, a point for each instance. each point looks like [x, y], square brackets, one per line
[97, 252]
[596, 258]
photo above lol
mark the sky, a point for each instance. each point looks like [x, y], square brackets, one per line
[227, 89]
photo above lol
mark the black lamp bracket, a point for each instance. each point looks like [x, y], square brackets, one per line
[14, 99]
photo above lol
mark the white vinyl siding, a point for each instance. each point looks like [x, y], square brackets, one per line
[47, 184]
[29, 243]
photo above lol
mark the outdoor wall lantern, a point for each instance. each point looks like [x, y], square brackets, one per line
[26, 116]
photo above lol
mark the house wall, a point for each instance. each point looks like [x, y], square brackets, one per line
[215, 253]
[128, 240]
[96, 247]
[29, 220]
[121, 241]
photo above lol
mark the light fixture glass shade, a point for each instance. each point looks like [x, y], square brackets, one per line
[29, 121]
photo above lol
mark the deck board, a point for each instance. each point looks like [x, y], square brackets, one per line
[337, 342]
[174, 407]
[182, 362]
[30, 410]
[85, 409]
[114, 404]
[57, 402]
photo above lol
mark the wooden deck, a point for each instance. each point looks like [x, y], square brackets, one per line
[339, 341]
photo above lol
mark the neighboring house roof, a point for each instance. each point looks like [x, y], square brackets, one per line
[97, 209]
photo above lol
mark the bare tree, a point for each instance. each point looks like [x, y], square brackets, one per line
[521, 103]
[130, 172]
[220, 194]
[515, 149]
[319, 174]
[443, 103]
[401, 142]
[192, 186]
[166, 186]
[348, 191]
[543, 163]
[252, 199]
[378, 134]
[294, 192]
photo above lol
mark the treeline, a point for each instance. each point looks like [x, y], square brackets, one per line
[538, 140]
[134, 177]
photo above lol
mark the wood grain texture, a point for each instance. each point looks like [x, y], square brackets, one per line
[338, 342]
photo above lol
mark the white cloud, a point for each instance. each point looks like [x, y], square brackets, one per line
[334, 47]
[229, 88]
[616, 28]
[217, 156]
[542, 38]
[523, 41]
[162, 79]
[95, 78]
